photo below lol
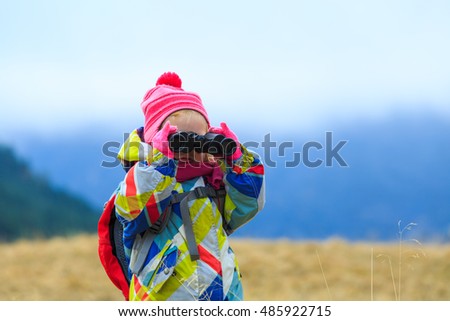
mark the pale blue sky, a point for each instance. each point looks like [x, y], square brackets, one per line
[68, 64]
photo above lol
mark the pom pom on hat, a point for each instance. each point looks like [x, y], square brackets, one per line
[169, 78]
[164, 99]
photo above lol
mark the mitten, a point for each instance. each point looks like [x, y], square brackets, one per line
[227, 132]
[161, 139]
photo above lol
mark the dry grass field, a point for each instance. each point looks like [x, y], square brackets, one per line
[69, 269]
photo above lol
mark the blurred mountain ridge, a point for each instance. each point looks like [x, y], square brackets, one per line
[31, 207]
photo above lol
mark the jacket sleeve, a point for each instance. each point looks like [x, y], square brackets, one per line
[245, 186]
[144, 194]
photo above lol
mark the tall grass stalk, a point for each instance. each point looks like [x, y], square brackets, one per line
[393, 278]
[371, 274]
[397, 284]
[323, 275]
[408, 227]
[394, 286]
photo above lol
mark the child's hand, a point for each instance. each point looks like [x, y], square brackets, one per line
[225, 131]
[161, 139]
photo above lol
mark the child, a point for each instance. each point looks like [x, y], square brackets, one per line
[190, 259]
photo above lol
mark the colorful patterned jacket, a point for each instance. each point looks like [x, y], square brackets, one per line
[168, 273]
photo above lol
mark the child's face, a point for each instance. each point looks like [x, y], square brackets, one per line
[190, 121]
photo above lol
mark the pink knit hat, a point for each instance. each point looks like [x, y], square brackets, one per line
[164, 99]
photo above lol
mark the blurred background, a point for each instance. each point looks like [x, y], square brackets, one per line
[375, 74]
